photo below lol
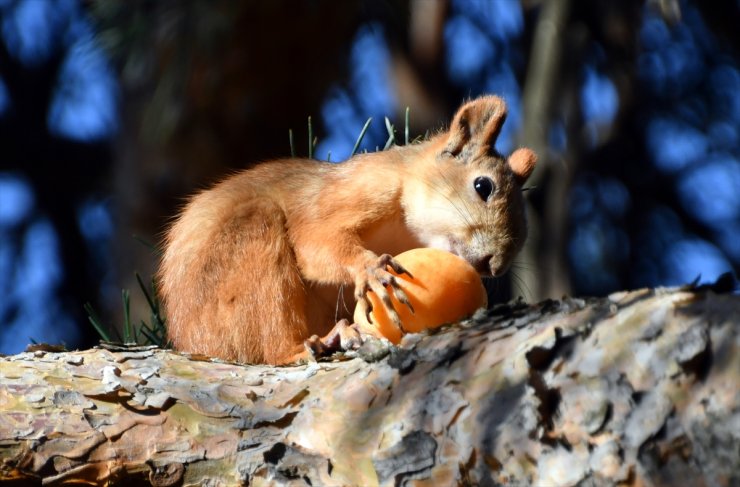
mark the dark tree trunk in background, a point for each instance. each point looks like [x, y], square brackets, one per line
[564, 40]
[210, 87]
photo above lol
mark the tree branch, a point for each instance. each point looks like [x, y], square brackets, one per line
[639, 387]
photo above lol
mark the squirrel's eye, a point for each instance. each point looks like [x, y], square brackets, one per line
[484, 187]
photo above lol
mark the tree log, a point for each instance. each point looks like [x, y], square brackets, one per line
[639, 388]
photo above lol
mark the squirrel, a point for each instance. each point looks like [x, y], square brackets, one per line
[258, 267]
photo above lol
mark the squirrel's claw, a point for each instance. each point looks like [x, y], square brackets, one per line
[343, 336]
[387, 260]
[380, 281]
[401, 296]
[365, 305]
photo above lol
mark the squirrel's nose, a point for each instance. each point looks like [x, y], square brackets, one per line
[498, 266]
[483, 265]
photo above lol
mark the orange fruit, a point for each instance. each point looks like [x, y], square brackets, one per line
[445, 289]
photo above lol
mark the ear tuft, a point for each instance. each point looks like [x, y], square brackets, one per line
[522, 162]
[476, 125]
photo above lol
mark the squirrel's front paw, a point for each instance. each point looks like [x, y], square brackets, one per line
[378, 279]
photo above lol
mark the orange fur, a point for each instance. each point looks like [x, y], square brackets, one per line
[272, 255]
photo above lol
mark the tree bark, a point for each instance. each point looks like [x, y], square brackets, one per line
[638, 388]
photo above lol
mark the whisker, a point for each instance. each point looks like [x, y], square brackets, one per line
[527, 266]
[341, 303]
[522, 284]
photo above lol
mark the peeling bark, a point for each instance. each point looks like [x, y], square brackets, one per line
[640, 388]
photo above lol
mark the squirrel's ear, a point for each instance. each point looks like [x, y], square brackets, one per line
[522, 162]
[476, 126]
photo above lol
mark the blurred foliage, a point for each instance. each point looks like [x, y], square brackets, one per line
[51, 174]
[632, 106]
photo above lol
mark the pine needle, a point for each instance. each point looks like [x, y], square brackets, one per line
[391, 134]
[361, 136]
[310, 139]
[96, 322]
[406, 131]
[127, 330]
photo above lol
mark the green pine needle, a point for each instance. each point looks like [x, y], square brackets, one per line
[96, 322]
[361, 136]
[391, 134]
[292, 144]
[127, 331]
[310, 139]
[150, 336]
[146, 243]
[151, 299]
[406, 131]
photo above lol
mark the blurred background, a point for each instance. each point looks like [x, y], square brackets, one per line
[111, 112]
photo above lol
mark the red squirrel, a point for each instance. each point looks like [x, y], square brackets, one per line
[268, 258]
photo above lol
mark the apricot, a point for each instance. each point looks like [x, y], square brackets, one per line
[445, 288]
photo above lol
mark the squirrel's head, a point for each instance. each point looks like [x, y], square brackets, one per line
[470, 199]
